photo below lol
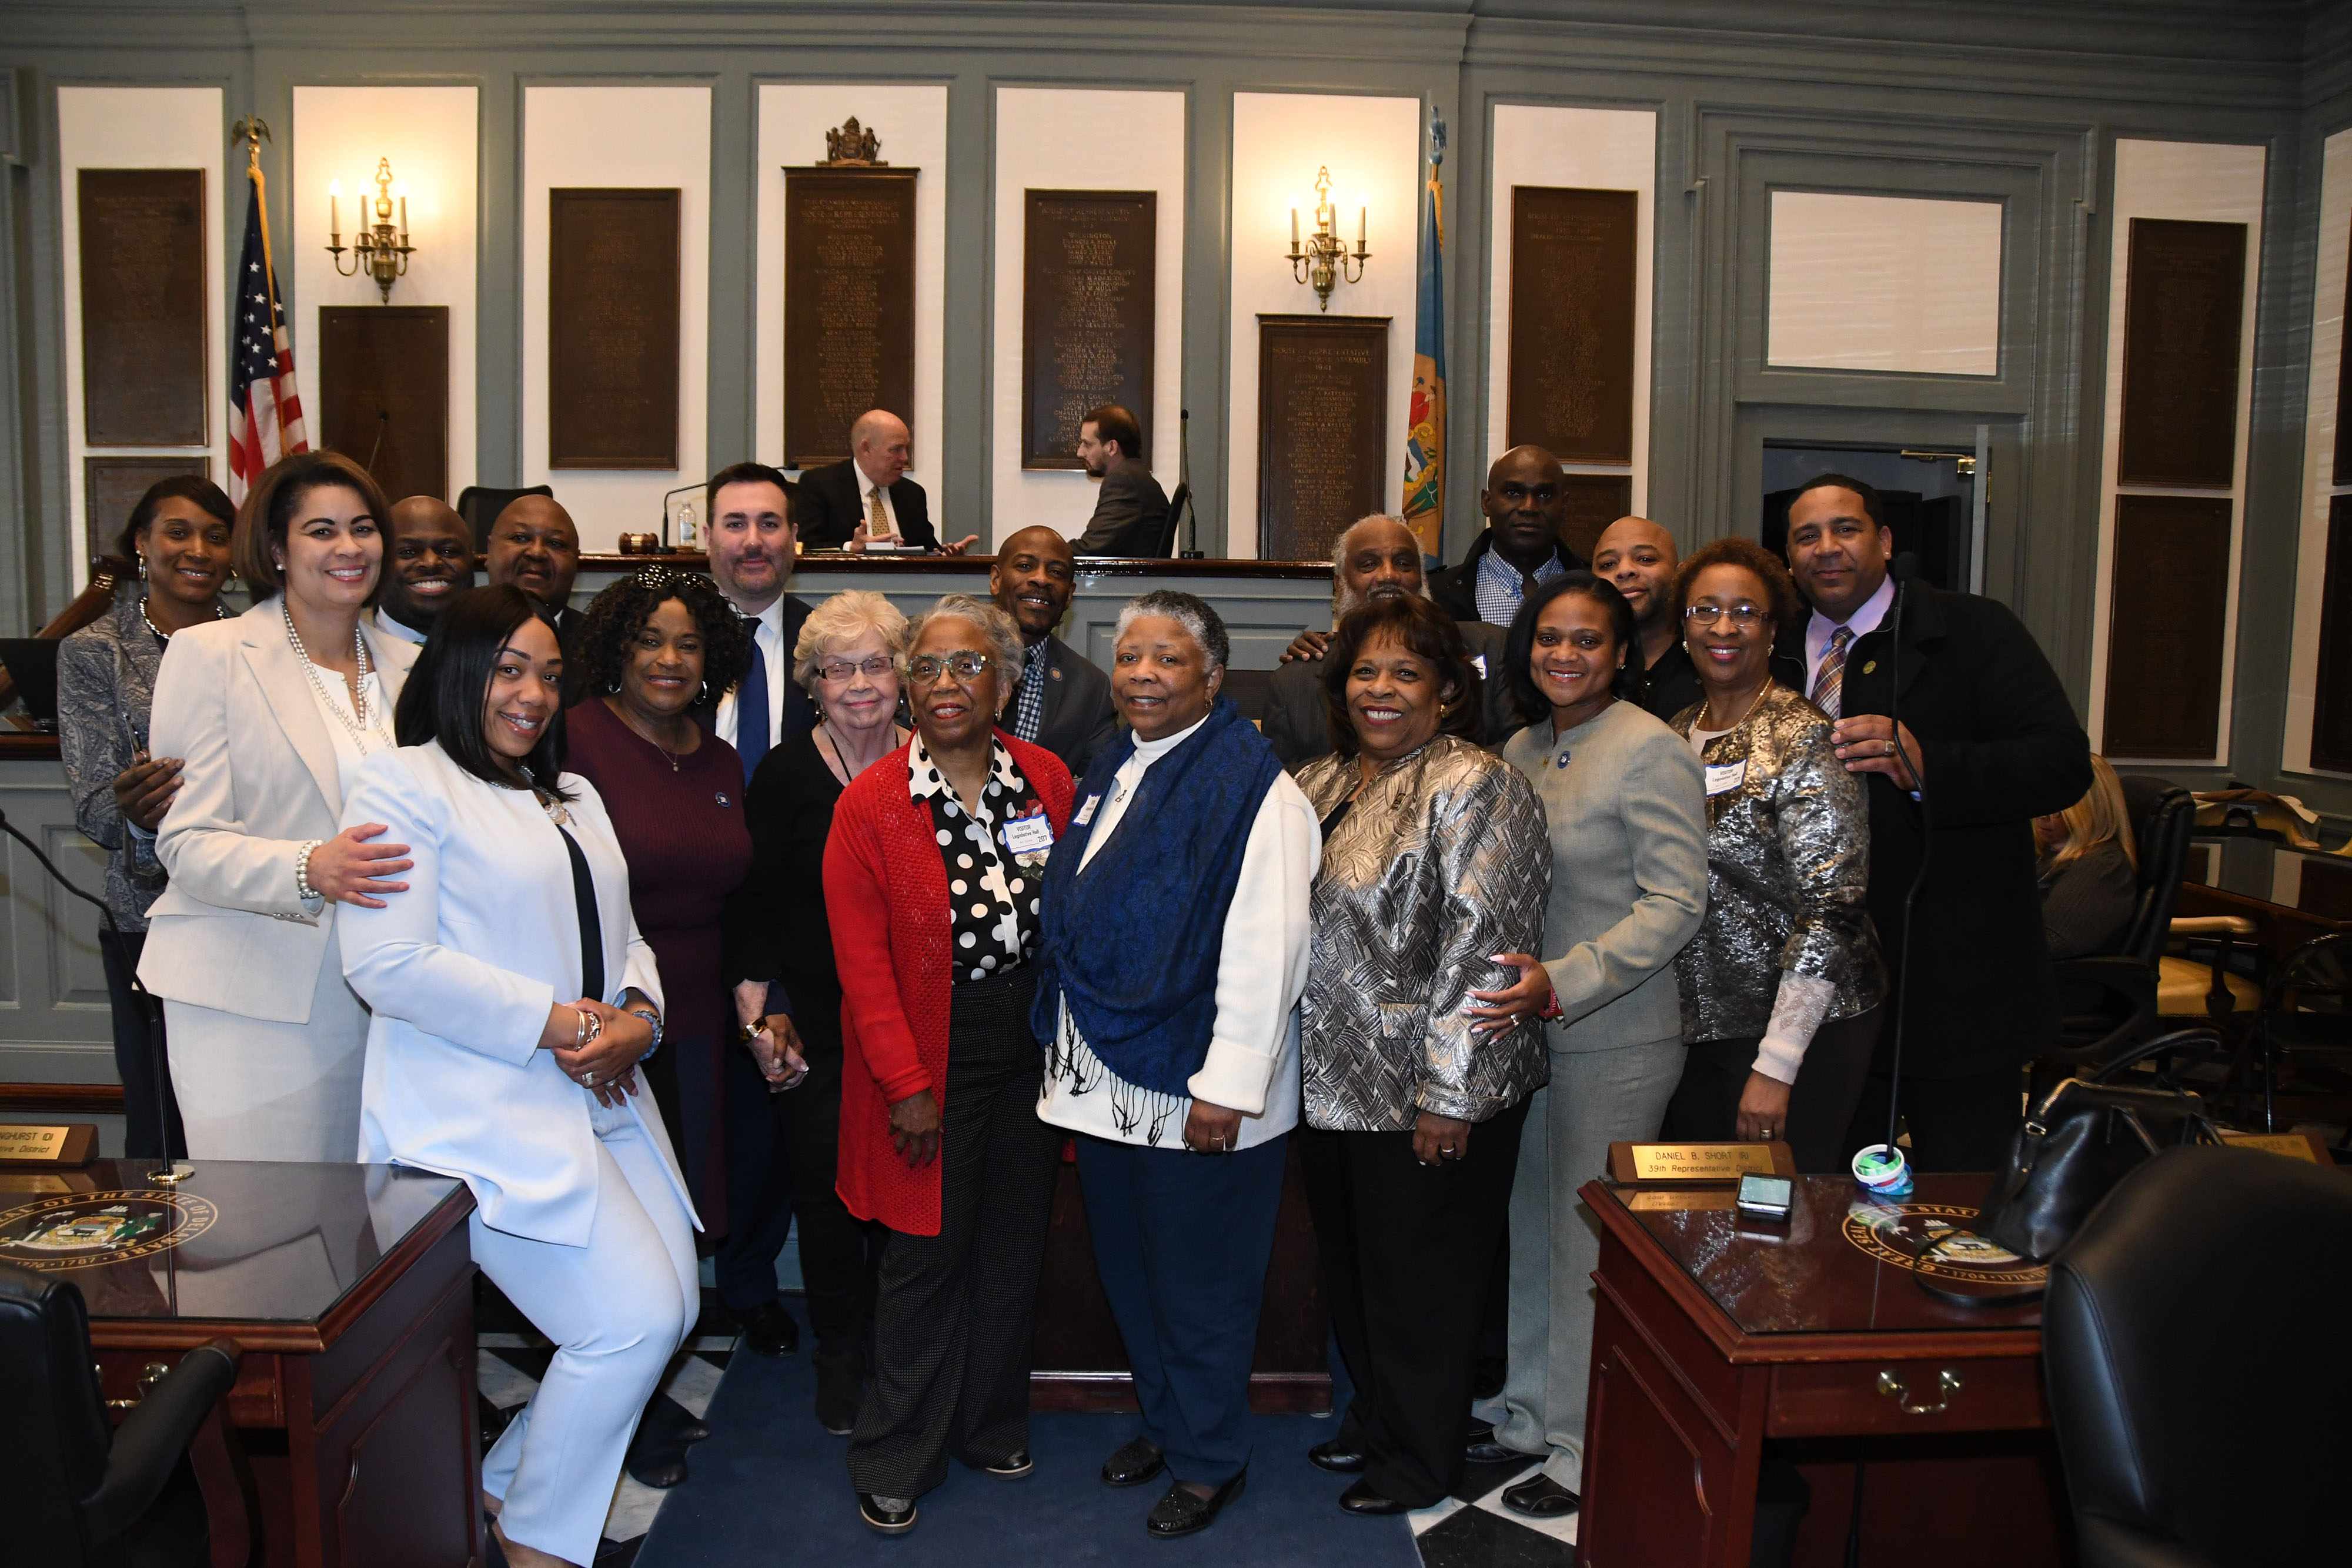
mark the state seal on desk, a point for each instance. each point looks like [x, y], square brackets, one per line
[89, 1229]
[1898, 1233]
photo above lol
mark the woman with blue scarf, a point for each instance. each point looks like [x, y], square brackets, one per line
[1175, 935]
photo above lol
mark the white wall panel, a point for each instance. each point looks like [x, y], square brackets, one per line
[1884, 283]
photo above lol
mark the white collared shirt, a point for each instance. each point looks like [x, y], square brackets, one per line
[768, 641]
[1861, 623]
[392, 628]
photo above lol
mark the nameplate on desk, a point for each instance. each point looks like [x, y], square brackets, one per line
[2294, 1145]
[1683, 1162]
[53, 1145]
[1684, 1200]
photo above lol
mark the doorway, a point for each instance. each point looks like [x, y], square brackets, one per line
[1932, 497]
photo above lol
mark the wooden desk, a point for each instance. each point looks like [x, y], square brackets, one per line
[350, 1289]
[1715, 1335]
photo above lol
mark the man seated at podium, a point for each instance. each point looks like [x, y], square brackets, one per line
[1131, 511]
[866, 500]
[429, 561]
[1525, 504]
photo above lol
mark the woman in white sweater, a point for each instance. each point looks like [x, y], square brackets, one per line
[512, 1000]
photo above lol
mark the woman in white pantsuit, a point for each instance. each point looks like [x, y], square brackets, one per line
[512, 999]
[273, 713]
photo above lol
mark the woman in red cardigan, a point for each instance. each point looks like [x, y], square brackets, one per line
[932, 878]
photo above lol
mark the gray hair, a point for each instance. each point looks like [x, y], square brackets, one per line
[840, 620]
[1343, 602]
[1195, 615]
[1004, 635]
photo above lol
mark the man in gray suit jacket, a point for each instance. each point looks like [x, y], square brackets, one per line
[1378, 558]
[1064, 702]
[1132, 508]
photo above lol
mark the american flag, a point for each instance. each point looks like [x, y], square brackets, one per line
[265, 418]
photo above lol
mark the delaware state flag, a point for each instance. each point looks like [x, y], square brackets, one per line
[1424, 444]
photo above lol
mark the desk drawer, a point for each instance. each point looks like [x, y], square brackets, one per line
[258, 1398]
[1944, 1395]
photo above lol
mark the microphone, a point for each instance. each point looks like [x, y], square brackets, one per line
[1903, 569]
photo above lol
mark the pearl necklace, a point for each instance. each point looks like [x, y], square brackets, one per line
[366, 725]
[220, 613]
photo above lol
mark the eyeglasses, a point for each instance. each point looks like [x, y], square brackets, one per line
[874, 668]
[967, 666]
[1743, 616]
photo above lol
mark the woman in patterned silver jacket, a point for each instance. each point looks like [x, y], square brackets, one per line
[1434, 860]
[1780, 989]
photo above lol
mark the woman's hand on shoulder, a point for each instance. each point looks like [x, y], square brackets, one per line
[349, 869]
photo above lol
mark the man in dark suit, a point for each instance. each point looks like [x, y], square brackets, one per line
[1131, 509]
[535, 546]
[1986, 742]
[1377, 557]
[1064, 702]
[867, 499]
[1639, 558]
[1525, 505]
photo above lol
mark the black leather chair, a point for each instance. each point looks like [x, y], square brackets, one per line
[1171, 527]
[2192, 1348]
[480, 507]
[2306, 1011]
[71, 1492]
[2110, 1001]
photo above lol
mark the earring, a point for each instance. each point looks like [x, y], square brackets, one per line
[615, 687]
[143, 569]
[705, 693]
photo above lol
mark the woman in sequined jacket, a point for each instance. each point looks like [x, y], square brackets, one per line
[1780, 989]
[1434, 860]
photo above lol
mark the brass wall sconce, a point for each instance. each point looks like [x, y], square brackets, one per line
[1326, 258]
[380, 248]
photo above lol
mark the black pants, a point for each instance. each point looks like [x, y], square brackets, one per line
[1956, 1123]
[759, 1183]
[146, 1080]
[954, 1313]
[1705, 1106]
[840, 1253]
[1408, 1254]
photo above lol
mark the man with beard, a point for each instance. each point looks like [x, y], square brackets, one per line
[1377, 557]
[1064, 702]
[1131, 508]
[429, 560]
[1525, 504]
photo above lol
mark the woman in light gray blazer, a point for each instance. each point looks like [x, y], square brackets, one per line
[272, 714]
[1627, 817]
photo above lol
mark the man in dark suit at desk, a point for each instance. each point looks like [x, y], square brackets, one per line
[1064, 702]
[867, 499]
[1131, 510]
[1997, 745]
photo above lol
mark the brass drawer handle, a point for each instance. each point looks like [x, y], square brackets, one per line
[153, 1373]
[1948, 1383]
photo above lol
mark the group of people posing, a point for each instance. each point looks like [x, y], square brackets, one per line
[886, 911]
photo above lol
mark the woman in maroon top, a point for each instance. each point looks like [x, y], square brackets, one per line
[652, 645]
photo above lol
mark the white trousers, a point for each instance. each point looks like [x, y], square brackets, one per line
[253, 1090]
[617, 1310]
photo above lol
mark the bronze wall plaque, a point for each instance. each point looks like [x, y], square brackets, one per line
[1322, 430]
[849, 306]
[110, 486]
[142, 307]
[612, 328]
[1594, 501]
[1572, 383]
[2331, 710]
[2169, 604]
[2184, 305]
[383, 378]
[1086, 301]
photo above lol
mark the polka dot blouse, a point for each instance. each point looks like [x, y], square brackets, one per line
[992, 892]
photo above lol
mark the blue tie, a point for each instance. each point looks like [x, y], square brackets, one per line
[754, 729]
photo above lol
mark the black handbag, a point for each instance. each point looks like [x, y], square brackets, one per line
[2086, 1135]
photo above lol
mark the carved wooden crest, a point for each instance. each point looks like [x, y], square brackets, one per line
[852, 147]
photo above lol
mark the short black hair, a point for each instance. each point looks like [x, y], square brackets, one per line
[1863, 488]
[1114, 422]
[616, 615]
[1427, 633]
[1518, 649]
[177, 487]
[748, 474]
[449, 686]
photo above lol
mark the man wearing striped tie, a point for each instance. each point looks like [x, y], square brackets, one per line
[1986, 742]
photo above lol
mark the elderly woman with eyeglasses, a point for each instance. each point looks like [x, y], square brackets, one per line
[933, 875]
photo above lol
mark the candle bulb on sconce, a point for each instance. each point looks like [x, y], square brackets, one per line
[1324, 259]
[380, 248]
[400, 194]
[1293, 223]
[334, 214]
[1364, 207]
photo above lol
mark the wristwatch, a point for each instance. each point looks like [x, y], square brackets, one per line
[654, 1019]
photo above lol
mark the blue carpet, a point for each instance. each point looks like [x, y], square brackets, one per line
[770, 1486]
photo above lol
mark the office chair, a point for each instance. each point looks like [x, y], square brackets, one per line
[2303, 1014]
[480, 507]
[1172, 526]
[2192, 1345]
[71, 1492]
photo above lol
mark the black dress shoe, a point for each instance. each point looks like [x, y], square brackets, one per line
[1362, 1499]
[675, 1421]
[660, 1469]
[769, 1330]
[890, 1515]
[1482, 1449]
[1179, 1512]
[1336, 1456]
[1541, 1497]
[1133, 1465]
[1012, 1467]
[840, 1386]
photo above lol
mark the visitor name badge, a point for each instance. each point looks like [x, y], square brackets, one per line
[1727, 776]
[1478, 663]
[1086, 813]
[1029, 837]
